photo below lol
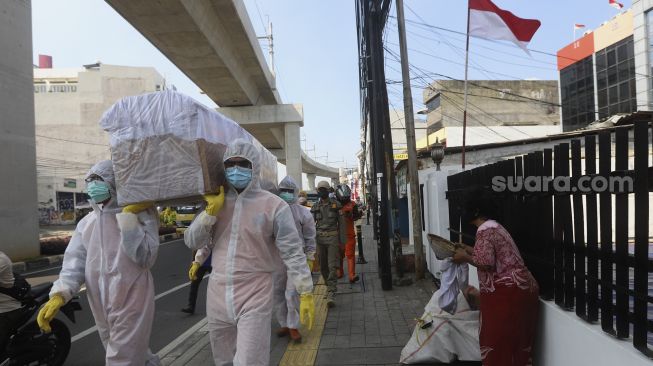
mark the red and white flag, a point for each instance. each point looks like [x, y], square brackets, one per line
[488, 21]
[615, 4]
[579, 26]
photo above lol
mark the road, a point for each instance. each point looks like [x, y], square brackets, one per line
[170, 274]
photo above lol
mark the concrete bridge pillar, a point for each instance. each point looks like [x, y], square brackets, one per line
[293, 152]
[311, 181]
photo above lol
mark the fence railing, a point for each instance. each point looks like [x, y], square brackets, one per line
[575, 238]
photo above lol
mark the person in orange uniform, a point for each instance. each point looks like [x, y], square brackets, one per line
[348, 235]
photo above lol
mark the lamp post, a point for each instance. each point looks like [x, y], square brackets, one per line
[437, 153]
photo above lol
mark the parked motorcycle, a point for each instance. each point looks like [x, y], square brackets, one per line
[27, 345]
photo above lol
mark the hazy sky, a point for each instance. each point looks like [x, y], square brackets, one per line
[316, 52]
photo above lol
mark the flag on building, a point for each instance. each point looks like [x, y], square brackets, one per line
[579, 26]
[615, 4]
[488, 21]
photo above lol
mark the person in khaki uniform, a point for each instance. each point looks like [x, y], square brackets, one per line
[326, 214]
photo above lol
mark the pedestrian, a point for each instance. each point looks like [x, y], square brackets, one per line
[201, 265]
[248, 229]
[111, 252]
[9, 306]
[326, 212]
[508, 291]
[286, 295]
[348, 214]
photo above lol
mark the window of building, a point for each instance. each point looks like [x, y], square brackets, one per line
[433, 103]
[577, 92]
[616, 78]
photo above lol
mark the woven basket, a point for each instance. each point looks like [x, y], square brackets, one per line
[442, 247]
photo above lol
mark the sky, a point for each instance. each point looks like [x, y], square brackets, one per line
[316, 57]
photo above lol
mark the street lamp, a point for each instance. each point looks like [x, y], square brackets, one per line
[437, 153]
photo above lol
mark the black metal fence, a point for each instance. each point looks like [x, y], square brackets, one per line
[576, 242]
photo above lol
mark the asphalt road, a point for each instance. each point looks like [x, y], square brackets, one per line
[170, 274]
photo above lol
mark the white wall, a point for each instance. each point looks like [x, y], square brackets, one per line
[563, 339]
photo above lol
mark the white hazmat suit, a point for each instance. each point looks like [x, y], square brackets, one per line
[249, 234]
[286, 298]
[112, 252]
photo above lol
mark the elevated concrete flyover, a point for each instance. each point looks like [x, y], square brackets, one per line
[214, 44]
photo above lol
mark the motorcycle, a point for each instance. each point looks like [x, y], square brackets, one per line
[27, 345]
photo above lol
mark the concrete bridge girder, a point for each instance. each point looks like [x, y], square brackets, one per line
[277, 128]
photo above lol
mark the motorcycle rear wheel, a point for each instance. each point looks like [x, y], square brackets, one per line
[58, 339]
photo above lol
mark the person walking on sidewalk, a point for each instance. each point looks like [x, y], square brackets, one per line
[348, 214]
[286, 295]
[248, 229]
[200, 266]
[111, 252]
[326, 212]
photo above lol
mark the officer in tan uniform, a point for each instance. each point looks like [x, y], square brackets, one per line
[326, 212]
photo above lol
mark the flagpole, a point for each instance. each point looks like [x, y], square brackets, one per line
[465, 102]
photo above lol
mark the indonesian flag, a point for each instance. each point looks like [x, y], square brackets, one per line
[615, 4]
[488, 21]
[579, 26]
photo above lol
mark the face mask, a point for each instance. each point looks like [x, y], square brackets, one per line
[239, 177]
[287, 196]
[98, 191]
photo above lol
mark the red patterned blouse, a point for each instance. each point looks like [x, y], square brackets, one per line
[496, 249]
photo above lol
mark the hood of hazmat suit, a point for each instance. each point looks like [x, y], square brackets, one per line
[304, 221]
[111, 252]
[250, 233]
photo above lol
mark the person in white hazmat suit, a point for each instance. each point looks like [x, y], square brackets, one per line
[248, 229]
[286, 296]
[112, 253]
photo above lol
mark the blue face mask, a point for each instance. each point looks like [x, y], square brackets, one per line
[238, 176]
[98, 191]
[287, 196]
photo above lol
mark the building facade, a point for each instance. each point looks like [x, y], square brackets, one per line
[599, 73]
[68, 105]
[492, 103]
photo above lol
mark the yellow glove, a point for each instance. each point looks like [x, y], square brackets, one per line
[307, 309]
[192, 272]
[214, 202]
[48, 311]
[137, 207]
[310, 264]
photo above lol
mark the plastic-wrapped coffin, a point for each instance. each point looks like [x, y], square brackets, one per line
[168, 148]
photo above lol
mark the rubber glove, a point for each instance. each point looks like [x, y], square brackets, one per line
[137, 207]
[48, 311]
[307, 309]
[310, 264]
[192, 272]
[214, 202]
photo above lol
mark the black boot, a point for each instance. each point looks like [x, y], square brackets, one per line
[189, 310]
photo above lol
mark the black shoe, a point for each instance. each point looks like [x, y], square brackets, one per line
[354, 280]
[361, 261]
[188, 310]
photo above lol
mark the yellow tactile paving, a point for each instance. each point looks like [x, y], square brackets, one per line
[304, 354]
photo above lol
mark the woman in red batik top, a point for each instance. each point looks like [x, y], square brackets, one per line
[509, 293]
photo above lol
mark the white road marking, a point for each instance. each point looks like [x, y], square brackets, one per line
[93, 329]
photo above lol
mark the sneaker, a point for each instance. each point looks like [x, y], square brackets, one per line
[188, 310]
[331, 302]
[353, 280]
[295, 336]
[282, 332]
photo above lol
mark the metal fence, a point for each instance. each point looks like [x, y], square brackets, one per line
[575, 240]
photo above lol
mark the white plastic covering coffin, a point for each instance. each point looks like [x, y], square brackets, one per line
[167, 147]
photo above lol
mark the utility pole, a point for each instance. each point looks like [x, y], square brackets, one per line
[416, 209]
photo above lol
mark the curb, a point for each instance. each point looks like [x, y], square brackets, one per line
[38, 263]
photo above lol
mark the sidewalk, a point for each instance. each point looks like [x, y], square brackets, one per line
[368, 326]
